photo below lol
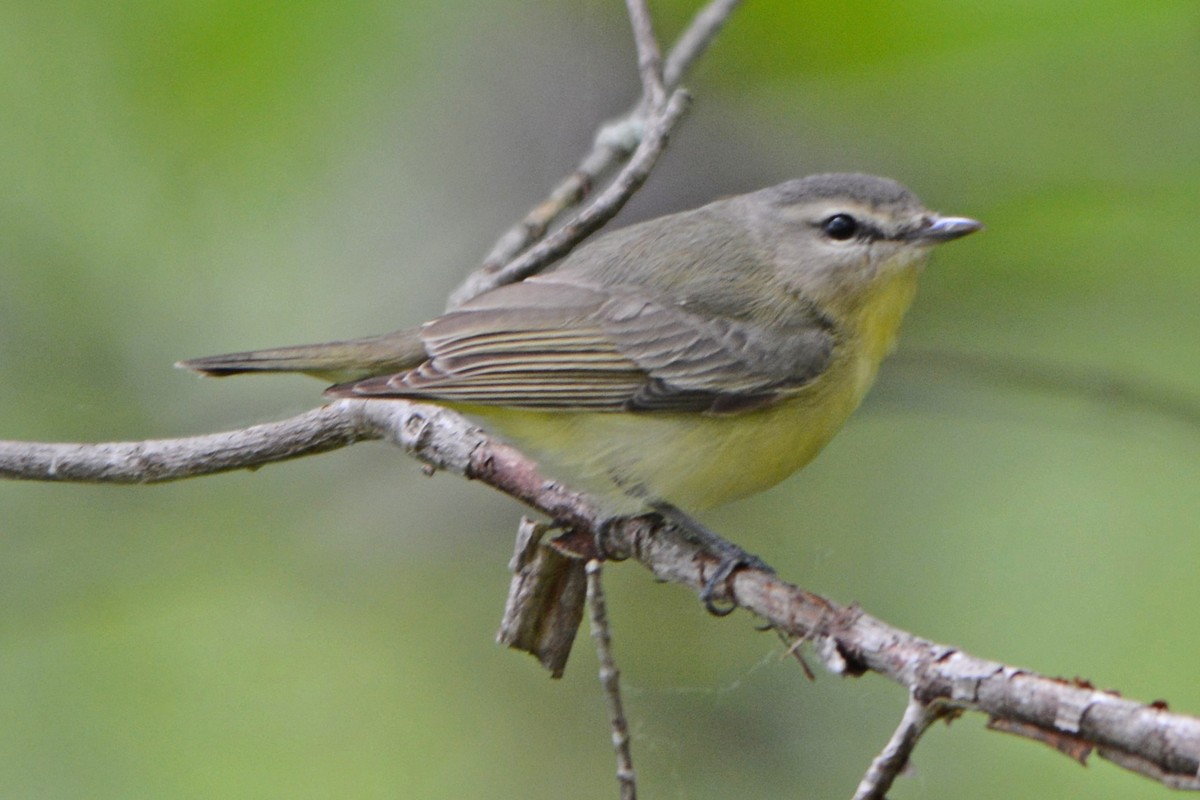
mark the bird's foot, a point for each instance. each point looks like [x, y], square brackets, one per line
[731, 558]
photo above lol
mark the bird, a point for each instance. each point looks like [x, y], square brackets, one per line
[674, 364]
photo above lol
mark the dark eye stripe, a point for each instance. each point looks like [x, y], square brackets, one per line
[843, 227]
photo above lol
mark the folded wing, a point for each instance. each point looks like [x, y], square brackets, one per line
[555, 345]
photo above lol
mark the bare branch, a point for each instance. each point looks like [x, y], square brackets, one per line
[436, 435]
[161, 460]
[888, 765]
[615, 142]
[1146, 738]
[610, 681]
[695, 40]
[591, 219]
[649, 57]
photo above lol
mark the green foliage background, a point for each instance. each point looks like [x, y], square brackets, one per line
[186, 177]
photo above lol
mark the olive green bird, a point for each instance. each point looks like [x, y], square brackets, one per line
[677, 363]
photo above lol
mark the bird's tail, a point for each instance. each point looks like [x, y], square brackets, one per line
[335, 362]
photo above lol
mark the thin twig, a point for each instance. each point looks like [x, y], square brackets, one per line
[610, 681]
[692, 43]
[892, 760]
[614, 143]
[601, 210]
[649, 56]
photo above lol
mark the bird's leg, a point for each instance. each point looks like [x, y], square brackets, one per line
[731, 556]
[602, 535]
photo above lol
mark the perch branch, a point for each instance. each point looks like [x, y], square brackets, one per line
[162, 460]
[1147, 739]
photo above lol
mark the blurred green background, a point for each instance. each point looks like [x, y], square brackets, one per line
[186, 177]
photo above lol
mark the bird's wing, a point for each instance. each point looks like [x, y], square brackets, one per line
[557, 345]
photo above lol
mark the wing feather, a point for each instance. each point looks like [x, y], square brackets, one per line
[557, 345]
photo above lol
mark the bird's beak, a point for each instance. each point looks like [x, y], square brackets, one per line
[943, 229]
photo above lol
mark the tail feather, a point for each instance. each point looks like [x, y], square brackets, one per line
[335, 362]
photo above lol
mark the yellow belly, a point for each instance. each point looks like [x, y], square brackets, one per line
[694, 460]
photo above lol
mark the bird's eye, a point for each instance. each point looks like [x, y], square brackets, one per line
[840, 227]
